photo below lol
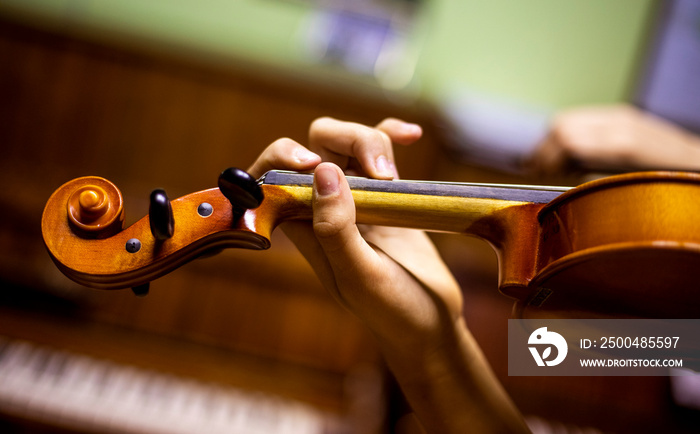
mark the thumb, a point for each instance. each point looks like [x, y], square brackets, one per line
[351, 258]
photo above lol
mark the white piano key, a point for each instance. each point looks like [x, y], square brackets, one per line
[21, 372]
[13, 359]
[48, 382]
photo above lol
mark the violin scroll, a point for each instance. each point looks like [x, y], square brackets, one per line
[95, 208]
[83, 229]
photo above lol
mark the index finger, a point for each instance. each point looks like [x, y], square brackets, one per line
[340, 142]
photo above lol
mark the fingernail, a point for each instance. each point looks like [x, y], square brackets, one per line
[412, 129]
[394, 170]
[303, 155]
[384, 166]
[327, 181]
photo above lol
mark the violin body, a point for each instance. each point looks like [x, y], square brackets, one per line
[626, 244]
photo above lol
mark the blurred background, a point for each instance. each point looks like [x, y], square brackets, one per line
[166, 94]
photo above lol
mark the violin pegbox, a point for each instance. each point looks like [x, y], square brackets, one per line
[83, 229]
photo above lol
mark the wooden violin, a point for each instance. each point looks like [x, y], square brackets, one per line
[628, 243]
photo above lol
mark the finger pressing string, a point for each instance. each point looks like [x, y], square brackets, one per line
[400, 132]
[284, 154]
[344, 142]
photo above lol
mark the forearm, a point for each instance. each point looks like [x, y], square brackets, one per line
[683, 153]
[452, 389]
[615, 137]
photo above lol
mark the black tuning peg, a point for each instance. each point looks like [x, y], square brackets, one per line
[141, 290]
[160, 216]
[241, 189]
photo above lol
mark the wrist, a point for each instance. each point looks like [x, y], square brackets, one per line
[451, 387]
[424, 358]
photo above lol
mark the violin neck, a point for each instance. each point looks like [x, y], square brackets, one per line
[434, 206]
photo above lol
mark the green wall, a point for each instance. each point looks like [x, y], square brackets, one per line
[550, 52]
[554, 52]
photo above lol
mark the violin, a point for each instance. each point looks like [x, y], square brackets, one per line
[627, 243]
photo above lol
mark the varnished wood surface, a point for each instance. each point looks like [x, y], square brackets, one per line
[632, 239]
